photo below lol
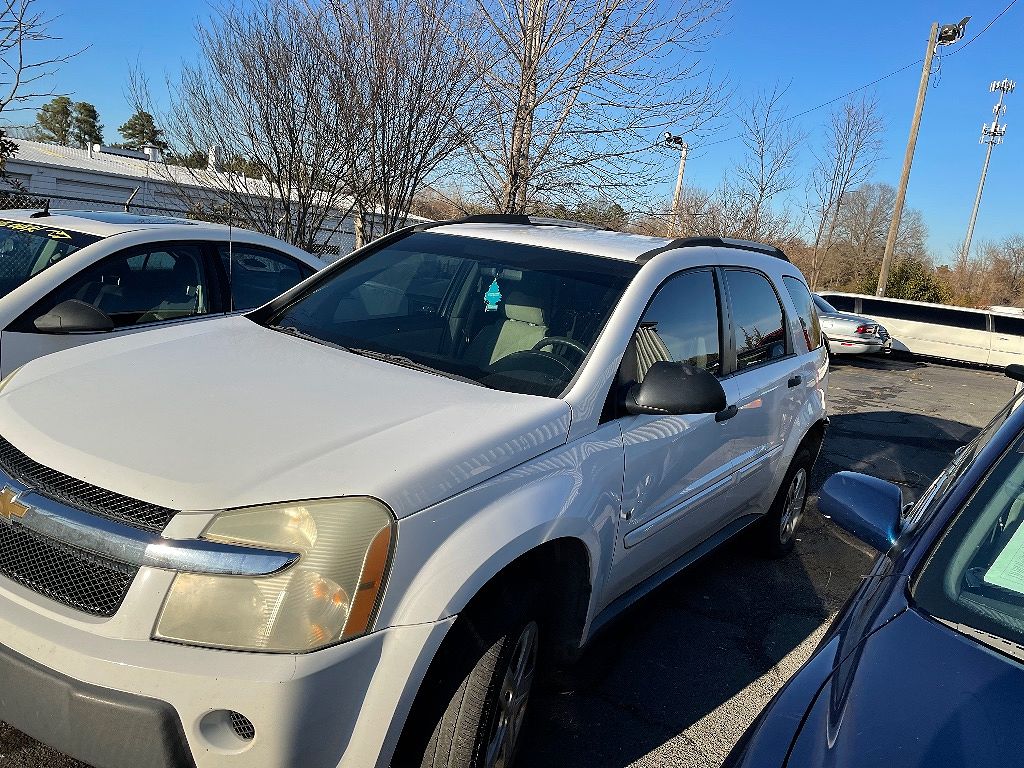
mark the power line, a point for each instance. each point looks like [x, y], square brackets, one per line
[959, 48]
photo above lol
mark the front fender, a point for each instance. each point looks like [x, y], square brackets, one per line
[448, 552]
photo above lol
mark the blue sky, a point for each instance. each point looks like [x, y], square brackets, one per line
[819, 49]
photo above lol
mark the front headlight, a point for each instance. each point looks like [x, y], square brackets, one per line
[330, 594]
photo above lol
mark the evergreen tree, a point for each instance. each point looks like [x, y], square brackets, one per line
[86, 128]
[141, 131]
[53, 121]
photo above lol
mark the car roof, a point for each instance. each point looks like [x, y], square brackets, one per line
[584, 238]
[103, 223]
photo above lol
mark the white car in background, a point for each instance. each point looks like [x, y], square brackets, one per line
[847, 334]
[71, 277]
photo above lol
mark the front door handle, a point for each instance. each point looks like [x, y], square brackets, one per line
[795, 381]
[727, 414]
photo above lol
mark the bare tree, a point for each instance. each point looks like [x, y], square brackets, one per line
[577, 90]
[22, 76]
[259, 104]
[851, 147]
[405, 72]
[767, 169]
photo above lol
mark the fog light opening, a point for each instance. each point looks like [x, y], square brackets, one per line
[227, 730]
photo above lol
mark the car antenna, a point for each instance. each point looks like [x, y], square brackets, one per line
[231, 258]
[45, 211]
[128, 202]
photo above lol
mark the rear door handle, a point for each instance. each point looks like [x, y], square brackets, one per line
[795, 381]
[727, 414]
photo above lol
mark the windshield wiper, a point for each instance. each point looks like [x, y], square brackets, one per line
[291, 330]
[405, 362]
[1009, 647]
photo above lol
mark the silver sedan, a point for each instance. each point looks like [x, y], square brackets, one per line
[847, 334]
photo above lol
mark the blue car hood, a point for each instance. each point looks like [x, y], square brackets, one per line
[916, 693]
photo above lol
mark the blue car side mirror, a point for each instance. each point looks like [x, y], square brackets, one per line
[865, 506]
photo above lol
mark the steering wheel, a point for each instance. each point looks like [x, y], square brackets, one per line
[560, 341]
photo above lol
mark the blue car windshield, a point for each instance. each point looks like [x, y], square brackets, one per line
[508, 316]
[974, 578]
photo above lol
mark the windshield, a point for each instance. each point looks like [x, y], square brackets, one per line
[974, 578]
[822, 305]
[511, 317]
[26, 249]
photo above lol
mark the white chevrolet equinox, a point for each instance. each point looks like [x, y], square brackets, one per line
[348, 528]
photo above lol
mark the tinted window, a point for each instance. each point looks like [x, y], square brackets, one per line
[1013, 326]
[259, 275]
[918, 313]
[147, 286]
[758, 322]
[973, 577]
[842, 303]
[681, 325]
[512, 317]
[27, 249]
[823, 306]
[805, 311]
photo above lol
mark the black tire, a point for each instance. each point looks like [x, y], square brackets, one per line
[471, 694]
[828, 347]
[775, 534]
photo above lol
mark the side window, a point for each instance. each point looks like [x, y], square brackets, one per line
[1008, 324]
[681, 325]
[921, 313]
[412, 285]
[163, 282]
[758, 321]
[259, 274]
[805, 311]
[842, 303]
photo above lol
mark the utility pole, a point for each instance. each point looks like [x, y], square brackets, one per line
[990, 135]
[947, 35]
[678, 142]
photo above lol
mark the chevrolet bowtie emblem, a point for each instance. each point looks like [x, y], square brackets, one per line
[10, 507]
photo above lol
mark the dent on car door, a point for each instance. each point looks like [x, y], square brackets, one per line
[676, 467]
[767, 378]
[137, 288]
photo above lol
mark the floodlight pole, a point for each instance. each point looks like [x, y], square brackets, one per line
[990, 135]
[908, 159]
[678, 142]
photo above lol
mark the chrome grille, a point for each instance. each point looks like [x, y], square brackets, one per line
[75, 578]
[242, 726]
[76, 493]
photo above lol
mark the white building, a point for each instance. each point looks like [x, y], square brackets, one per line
[106, 178]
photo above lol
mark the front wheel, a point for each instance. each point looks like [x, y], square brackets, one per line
[474, 700]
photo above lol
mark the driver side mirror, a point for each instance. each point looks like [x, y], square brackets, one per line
[74, 316]
[865, 506]
[676, 389]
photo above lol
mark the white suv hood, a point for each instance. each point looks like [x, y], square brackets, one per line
[226, 413]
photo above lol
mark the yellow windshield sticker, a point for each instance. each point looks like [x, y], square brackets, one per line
[24, 226]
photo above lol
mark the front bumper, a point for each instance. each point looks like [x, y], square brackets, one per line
[135, 703]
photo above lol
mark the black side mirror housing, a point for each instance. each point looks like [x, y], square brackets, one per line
[74, 316]
[865, 506]
[675, 389]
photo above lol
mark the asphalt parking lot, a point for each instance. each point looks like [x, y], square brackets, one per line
[679, 678]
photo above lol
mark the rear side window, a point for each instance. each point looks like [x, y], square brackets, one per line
[259, 275]
[757, 318]
[918, 313]
[805, 311]
[681, 325]
[1012, 326]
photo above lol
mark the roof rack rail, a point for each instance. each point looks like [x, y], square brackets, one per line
[719, 242]
[518, 218]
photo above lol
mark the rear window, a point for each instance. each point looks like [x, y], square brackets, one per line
[805, 311]
[26, 249]
[842, 303]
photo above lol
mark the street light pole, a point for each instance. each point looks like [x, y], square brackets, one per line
[990, 135]
[949, 34]
[677, 141]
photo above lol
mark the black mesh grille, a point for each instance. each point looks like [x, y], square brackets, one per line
[79, 579]
[75, 493]
[242, 726]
